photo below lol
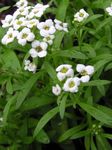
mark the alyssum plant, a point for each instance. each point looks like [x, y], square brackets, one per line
[50, 72]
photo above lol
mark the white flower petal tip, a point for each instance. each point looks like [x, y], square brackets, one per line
[56, 90]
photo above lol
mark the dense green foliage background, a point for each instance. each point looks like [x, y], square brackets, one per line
[31, 116]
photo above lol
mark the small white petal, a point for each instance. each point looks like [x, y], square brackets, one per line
[89, 69]
[85, 79]
[80, 67]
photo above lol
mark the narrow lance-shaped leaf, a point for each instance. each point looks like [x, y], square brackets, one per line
[7, 108]
[45, 119]
[70, 132]
[62, 106]
[96, 113]
[26, 89]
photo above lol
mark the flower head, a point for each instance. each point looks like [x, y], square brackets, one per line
[30, 66]
[22, 3]
[9, 36]
[109, 10]
[38, 49]
[38, 10]
[64, 71]
[85, 72]
[18, 23]
[32, 23]
[7, 22]
[56, 90]
[49, 39]
[59, 25]
[71, 85]
[46, 28]
[24, 36]
[81, 15]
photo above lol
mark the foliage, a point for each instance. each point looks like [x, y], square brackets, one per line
[32, 115]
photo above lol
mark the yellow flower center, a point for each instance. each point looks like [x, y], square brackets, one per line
[64, 70]
[39, 49]
[71, 84]
[46, 27]
[10, 36]
[19, 22]
[81, 14]
[24, 36]
[84, 73]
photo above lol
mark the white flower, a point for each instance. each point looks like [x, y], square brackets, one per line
[49, 39]
[22, 3]
[38, 49]
[30, 66]
[31, 23]
[81, 15]
[56, 90]
[85, 72]
[64, 71]
[22, 11]
[9, 36]
[7, 22]
[109, 10]
[24, 36]
[18, 23]
[59, 25]
[71, 85]
[38, 11]
[46, 28]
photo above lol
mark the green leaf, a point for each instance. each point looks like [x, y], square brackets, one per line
[4, 8]
[105, 109]
[9, 87]
[106, 135]
[70, 132]
[92, 18]
[87, 142]
[51, 71]
[62, 106]
[102, 143]
[35, 102]
[42, 137]
[81, 134]
[45, 119]
[93, 146]
[61, 11]
[26, 89]
[96, 83]
[10, 60]
[96, 113]
[7, 108]
[71, 53]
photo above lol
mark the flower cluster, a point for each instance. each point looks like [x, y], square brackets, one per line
[30, 66]
[25, 26]
[69, 82]
[81, 15]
